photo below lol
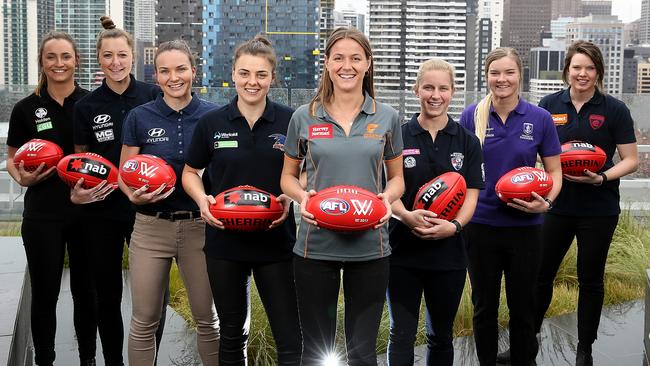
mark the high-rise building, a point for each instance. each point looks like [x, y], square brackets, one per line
[81, 20]
[471, 63]
[349, 18]
[539, 88]
[523, 21]
[558, 27]
[632, 56]
[181, 20]
[596, 7]
[632, 32]
[326, 25]
[488, 33]
[406, 33]
[547, 62]
[23, 24]
[644, 22]
[145, 27]
[606, 31]
[493, 10]
[565, 8]
[643, 78]
[292, 27]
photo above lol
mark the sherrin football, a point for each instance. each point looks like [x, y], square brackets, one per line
[577, 156]
[145, 169]
[93, 168]
[37, 151]
[443, 195]
[246, 208]
[346, 208]
[521, 182]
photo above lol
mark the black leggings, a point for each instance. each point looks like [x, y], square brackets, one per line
[45, 242]
[442, 293]
[230, 282]
[513, 252]
[317, 286]
[594, 235]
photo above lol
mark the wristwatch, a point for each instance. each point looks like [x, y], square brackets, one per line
[459, 227]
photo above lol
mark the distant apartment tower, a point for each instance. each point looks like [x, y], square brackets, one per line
[471, 39]
[523, 21]
[292, 27]
[558, 27]
[23, 24]
[632, 32]
[565, 8]
[406, 33]
[488, 35]
[181, 20]
[606, 31]
[80, 18]
[643, 78]
[539, 88]
[493, 10]
[326, 25]
[596, 7]
[632, 56]
[349, 18]
[644, 22]
[546, 64]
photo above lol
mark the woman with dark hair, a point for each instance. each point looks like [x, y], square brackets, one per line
[98, 122]
[513, 133]
[357, 137]
[587, 208]
[256, 129]
[428, 252]
[50, 220]
[167, 225]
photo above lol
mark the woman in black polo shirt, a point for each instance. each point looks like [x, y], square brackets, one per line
[428, 253]
[49, 219]
[98, 122]
[588, 206]
[255, 129]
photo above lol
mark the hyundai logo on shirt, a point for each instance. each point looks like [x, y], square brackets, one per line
[156, 135]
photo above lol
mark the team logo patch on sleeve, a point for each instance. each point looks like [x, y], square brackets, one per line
[279, 141]
[409, 162]
[560, 119]
[457, 160]
[596, 121]
[322, 131]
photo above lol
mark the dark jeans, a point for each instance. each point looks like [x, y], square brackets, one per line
[442, 293]
[594, 235]
[513, 252]
[230, 282]
[45, 242]
[317, 286]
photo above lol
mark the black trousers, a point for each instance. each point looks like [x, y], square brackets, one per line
[231, 284]
[594, 236]
[514, 253]
[45, 242]
[442, 293]
[317, 286]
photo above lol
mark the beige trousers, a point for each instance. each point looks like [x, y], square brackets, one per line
[154, 243]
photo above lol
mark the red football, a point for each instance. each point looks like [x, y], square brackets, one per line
[246, 208]
[521, 182]
[577, 156]
[147, 169]
[93, 168]
[346, 208]
[37, 151]
[443, 195]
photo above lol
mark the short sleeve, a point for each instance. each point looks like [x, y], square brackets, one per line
[474, 177]
[80, 130]
[394, 144]
[19, 132]
[198, 153]
[550, 145]
[624, 128]
[294, 144]
[129, 136]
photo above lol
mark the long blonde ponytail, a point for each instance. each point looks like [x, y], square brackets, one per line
[481, 117]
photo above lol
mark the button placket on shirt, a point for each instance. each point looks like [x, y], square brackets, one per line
[180, 132]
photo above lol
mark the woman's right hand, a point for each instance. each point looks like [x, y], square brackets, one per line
[206, 215]
[416, 218]
[306, 216]
[28, 179]
[81, 196]
[141, 197]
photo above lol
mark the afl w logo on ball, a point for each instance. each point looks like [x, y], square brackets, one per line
[243, 197]
[596, 121]
[40, 113]
[101, 119]
[31, 147]
[156, 132]
[362, 208]
[457, 160]
[334, 206]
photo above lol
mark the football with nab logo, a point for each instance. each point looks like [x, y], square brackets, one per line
[93, 168]
[246, 208]
[346, 208]
[577, 156]
[37, 151]
[521, 182]
[443, 195]
[144, 169]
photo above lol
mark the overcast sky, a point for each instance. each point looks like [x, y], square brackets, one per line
[627, 10]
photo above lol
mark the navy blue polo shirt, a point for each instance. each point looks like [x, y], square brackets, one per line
[98, 119]
[44, 118]
[455, 149]
[159, 130]
[233, 155]
[603, 121]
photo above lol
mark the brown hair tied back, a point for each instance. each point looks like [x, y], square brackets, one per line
[107, 22]
[111, 31]
[256, 46]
